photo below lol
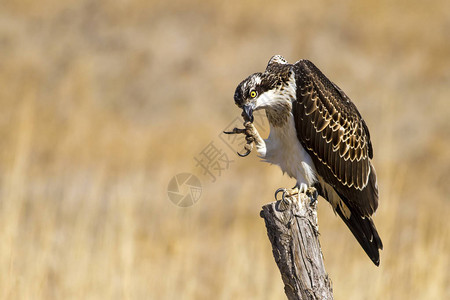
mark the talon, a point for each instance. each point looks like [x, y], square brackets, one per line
[287, 203]
[313, 196]
[283, 196]
[245, 154]
[278, 191]
[247, 147]
[235, 131]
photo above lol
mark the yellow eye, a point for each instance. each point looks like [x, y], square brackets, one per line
[253, 94]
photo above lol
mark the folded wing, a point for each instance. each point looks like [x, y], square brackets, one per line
[332, 130]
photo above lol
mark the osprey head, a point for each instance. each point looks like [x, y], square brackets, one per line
[265, 90]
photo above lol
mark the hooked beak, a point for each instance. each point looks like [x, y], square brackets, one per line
[248, 112]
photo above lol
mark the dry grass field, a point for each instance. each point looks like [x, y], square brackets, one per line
[102, 103]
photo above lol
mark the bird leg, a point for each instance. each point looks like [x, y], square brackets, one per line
[248, 146]
[303, 188]
[251, 135]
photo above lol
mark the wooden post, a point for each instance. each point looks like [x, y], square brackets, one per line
[293, 231]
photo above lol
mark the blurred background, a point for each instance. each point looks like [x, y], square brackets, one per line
[103, 103]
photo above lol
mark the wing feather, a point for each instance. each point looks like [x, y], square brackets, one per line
[332, 130]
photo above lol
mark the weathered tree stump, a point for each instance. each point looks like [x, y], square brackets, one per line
[293, 231]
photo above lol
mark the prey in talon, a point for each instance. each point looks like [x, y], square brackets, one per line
[317, 137]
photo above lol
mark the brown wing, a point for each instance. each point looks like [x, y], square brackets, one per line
[331, 129]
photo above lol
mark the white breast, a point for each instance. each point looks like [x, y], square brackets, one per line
[284, 149]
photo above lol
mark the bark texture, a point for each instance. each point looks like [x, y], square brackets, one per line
[293, 232]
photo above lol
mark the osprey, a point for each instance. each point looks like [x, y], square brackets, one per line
[318, 137]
